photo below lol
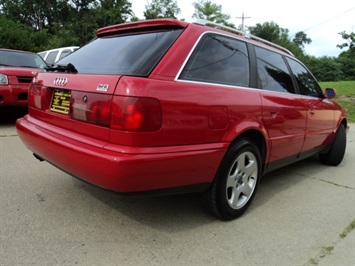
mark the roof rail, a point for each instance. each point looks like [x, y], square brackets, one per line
[241, 33]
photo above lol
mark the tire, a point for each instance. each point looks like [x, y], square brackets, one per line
[236, 181]
[336, 152]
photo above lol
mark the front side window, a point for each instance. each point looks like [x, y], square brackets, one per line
[218, 59]
[273, 71]
[307, 84]
[129, 54]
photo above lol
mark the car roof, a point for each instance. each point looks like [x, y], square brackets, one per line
[242, 34]
[166, 22]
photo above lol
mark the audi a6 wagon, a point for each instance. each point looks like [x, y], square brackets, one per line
[165, 106]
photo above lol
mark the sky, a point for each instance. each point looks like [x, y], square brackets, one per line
[321, 20]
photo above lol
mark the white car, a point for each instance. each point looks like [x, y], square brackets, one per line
[53, 55]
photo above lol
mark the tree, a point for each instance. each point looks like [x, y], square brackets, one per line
[350, 41]
[14, 35]
[206, 9]
[347, 58]
[301, 39]
[325, 68]
[272, 32]
[67, 22]
[34, 13]
[162, 9]
[110, 12]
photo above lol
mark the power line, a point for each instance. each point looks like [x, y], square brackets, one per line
[332, 18]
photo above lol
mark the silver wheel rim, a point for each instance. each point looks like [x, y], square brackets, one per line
[241, 180]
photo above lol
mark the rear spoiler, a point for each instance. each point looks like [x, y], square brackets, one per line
[150, 23]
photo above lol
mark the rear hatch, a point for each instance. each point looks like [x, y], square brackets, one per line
[78, 92]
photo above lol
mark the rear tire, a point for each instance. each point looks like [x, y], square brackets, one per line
[236, 181]
[336, 152]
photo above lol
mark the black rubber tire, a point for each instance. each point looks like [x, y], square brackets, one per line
[217, 199]
[336, 152]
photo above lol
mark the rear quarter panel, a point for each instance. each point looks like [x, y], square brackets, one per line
[189, 109]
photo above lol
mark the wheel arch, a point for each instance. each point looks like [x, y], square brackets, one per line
[258, 138]
[344, 122]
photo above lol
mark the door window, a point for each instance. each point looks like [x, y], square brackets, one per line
[307, 84]
[273, 71]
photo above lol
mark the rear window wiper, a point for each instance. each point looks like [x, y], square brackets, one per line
[69, 68]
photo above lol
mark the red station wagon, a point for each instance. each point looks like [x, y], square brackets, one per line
[164, 106]
[17, 69]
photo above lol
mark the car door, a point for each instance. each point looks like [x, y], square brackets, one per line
[284, 112]
[320, 111]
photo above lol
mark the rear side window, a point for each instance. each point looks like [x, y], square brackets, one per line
[51, 57]
[64, 53]
[307, 84]
[133, 54]
[273, 72]
[218, 59]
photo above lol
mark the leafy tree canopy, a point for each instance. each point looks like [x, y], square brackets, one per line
[350, 41]
[272, 32]
[79, 18]
[206, 9]
[161, 9]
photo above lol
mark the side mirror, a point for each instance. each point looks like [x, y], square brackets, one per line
[330, 93]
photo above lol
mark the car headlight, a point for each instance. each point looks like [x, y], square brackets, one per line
[3, 79]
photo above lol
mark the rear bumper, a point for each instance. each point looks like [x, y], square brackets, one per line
[120, 168]
[14, 95]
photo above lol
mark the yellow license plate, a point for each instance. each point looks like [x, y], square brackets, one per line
[61, 101]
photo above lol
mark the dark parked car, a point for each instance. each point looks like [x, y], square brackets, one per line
[164, 106]
[17, 69]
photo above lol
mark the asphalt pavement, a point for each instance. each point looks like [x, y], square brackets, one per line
[300, 216]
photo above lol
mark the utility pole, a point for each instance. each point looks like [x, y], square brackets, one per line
[242, 17]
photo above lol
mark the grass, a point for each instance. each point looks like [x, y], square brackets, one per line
[347, 230]
[327, 250]
[345, 96]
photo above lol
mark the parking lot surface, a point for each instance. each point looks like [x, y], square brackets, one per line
[48, 217]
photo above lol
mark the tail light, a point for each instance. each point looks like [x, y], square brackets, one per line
[38, 96]
[135, 114]
[92, 108]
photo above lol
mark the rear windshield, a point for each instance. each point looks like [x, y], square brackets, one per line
[135, 54]
[20, 59]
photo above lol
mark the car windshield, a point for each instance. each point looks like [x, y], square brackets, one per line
[20, 59]
[134, 54]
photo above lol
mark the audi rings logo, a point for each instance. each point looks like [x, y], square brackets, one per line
[60, 81]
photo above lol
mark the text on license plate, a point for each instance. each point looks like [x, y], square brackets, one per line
[60, 101]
